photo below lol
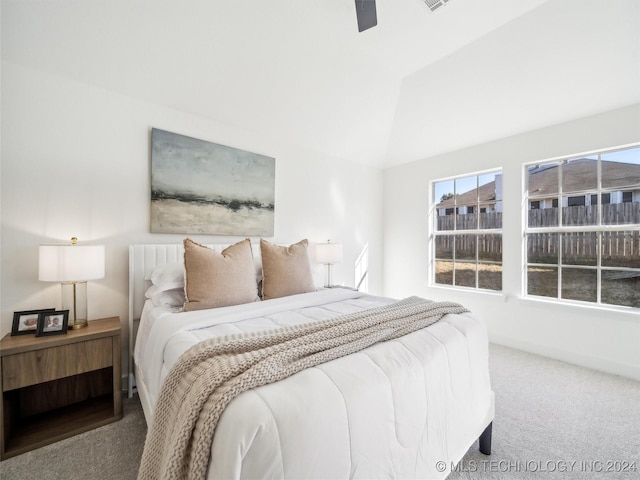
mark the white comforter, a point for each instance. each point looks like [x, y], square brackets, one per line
[394, 410]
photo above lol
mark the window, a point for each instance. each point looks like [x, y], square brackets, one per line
[576, 201]
[361, 270]
[627, 197]
[586, 252]
[606, 198]
[467, 245]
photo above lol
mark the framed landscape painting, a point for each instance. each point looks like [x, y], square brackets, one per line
[199, 187]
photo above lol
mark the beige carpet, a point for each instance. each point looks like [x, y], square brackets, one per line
[553, 420]
[559, 421]
[111, 452]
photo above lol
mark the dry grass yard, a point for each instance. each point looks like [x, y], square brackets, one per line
[489, 274]
[577, 284]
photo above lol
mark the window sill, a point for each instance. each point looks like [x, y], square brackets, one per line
[556, 302]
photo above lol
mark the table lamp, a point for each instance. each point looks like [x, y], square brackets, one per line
[329, 254]
[72, 265]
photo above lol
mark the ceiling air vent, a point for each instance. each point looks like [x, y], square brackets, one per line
[435, 4]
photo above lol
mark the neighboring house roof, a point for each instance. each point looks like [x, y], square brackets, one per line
[577, 175]
[580, 175]
[486, 193]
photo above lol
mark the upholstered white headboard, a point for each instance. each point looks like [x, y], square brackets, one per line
[143, 259]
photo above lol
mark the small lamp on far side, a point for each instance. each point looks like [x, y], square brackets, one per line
[72, 265]
[328, 254]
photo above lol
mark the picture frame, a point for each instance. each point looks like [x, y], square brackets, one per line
[52, 323]
[26, 322]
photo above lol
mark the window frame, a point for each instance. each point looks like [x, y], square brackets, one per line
[479, 208]
[599, 228]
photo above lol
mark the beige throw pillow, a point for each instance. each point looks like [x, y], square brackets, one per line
[285, 270]
[215, 279]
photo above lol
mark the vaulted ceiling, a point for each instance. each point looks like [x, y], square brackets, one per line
[416, 85]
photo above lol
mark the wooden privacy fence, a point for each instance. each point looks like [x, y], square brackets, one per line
[612, 214]
[619, 249]
[469, 221]
[489, 247]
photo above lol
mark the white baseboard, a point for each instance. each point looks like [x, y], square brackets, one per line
[588, 361]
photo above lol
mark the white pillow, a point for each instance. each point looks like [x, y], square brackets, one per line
[168, 276]
[165, 298]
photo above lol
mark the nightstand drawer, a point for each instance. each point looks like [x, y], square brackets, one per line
[30, 368]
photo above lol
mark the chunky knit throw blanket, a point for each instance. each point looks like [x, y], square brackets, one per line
[210, 374]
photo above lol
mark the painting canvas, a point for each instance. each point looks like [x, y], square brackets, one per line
[199, 187]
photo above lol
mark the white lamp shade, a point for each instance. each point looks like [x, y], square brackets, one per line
[71, 263]
[329, 253]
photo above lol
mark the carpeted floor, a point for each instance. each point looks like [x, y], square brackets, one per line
[556, 420]
[111, 452]
[553, 420]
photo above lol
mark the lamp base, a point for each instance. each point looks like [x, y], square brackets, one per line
[328, 284]
[78, 325]
[74, 299]
[341, 286]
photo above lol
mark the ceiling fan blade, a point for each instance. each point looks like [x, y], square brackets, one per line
[366, 13]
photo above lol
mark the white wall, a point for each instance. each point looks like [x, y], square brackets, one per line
[75, 161]
[605, 339]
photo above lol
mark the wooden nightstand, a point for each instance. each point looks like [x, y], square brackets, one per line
[57, 386]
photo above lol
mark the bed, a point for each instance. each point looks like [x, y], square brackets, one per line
[405, 408]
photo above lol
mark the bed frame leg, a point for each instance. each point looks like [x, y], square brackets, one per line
[485, 440]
